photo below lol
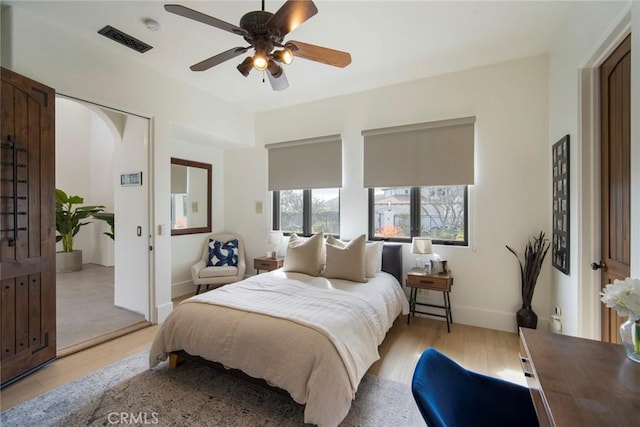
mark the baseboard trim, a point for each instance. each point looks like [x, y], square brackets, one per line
[490, 319]
[163, 311]
[182, 288]
[74, 348]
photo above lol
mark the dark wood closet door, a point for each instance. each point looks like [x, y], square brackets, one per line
[615, 92]
[27, 224]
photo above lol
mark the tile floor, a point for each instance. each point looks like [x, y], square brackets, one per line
[84, 305]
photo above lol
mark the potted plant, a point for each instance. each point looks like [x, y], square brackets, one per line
[534, 255]
[110, 219]
[69, 219]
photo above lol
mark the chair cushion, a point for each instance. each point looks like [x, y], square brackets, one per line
[223, 253]
[224, 271]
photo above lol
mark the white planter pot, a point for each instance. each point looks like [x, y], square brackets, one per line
[67, 262]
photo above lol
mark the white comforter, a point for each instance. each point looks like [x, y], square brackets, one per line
[312, 336]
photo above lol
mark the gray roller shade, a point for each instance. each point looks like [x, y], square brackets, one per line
[423, 154]
[306, 163]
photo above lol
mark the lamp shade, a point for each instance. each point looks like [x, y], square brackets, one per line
[421, 245]
[275, 237]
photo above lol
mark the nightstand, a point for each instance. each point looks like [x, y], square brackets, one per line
[267, 263]
[418, 279]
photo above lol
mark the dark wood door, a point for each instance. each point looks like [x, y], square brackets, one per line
[615, 92]
[27, 221]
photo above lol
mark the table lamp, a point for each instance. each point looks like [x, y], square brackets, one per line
[275, 237]
[422, 246]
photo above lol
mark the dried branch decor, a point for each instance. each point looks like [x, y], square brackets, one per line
[534, 254]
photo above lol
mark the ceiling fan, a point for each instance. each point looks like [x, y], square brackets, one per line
[265, 32]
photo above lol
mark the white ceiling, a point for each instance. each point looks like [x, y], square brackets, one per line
[389, 41]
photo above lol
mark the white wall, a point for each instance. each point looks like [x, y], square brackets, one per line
[584, 33]
[509, 201]
[79, 68]
[102, 184]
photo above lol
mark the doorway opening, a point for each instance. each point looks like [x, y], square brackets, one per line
[109, 296]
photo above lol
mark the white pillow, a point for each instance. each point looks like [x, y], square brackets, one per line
[346, 261]
[304, 255]
[372, 257]
[333, 241]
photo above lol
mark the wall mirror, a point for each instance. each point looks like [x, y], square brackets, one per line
[190, 197]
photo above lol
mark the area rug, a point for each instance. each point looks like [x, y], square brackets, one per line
[128, 393]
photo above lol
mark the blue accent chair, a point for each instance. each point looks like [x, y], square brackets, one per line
[449, 395]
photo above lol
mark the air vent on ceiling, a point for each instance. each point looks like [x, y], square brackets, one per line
[125, 39]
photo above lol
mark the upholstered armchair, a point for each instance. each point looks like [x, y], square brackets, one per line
[216, 267]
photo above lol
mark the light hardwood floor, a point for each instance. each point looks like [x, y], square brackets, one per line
[488, 351]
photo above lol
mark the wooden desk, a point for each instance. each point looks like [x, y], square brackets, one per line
[580, 382]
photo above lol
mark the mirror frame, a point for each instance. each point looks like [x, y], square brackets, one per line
[195, 230]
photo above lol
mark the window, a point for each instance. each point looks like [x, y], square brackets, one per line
[291, 209]
[307, 212]
[400, 213]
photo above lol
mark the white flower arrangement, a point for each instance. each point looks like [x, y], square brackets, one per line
[624, 297]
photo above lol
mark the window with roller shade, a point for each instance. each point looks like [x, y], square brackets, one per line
[418, 177]
[305, 177]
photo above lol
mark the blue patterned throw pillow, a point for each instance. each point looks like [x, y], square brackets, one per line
[223, 253]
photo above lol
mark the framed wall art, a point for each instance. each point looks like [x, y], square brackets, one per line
[560, 244]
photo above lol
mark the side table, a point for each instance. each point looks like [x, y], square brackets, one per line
[267, 263]
[418, 279]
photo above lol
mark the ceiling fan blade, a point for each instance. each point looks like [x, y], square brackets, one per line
[319, 54]
[278, 83]
[218, 59]
[205, 19]
[291, 15]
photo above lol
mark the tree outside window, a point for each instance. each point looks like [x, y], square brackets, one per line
[291, 211]
[442, 212]
[307, 211]
[325, 211]
[439, 212]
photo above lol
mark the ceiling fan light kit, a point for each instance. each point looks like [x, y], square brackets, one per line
[265, 32]
[285, 56]
[274, 69]
[245, 66]
[260, 61]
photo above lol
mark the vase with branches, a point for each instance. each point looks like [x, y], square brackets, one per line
[534, 254]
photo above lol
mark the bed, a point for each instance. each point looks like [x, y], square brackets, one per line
[313, 336]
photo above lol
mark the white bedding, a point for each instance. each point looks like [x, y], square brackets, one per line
[312, 336]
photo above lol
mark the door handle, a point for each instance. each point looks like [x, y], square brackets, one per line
[139, 231]
[597, 266]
